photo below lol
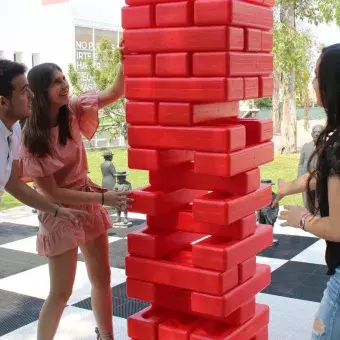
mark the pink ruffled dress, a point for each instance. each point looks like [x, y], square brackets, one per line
[68, 165]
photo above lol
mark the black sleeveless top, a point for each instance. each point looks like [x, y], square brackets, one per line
[329, 165]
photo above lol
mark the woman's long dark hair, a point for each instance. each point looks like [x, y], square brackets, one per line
[37, 128]
[329, 87]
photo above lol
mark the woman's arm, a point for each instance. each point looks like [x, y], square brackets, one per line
[56, 194]
[299, 185]
[295, 187]
[328, 228]
[114, 92]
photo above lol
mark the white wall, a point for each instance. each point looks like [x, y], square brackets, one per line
[104, 12]
[29, 27]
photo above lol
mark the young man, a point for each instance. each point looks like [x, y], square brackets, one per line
[15, 104]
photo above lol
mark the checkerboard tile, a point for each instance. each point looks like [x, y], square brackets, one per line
[298, 281]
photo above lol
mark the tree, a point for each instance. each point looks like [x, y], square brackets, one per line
[263, 103]
[103, 71]
[290, 49]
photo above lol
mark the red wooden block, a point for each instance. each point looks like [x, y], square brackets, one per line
[144, 324]
[262, 335]
[253, 40]
[144, 159]
[137, 17]
[217, 254]
[242, 314]
[179, 327]
[174, 14]
[269, 3]
[183, 176]
[251, 15]
[179, 300]
[232, 64]
[247, 269]
[232, 12]
[258, 2]
[184, 89]
[217, 331]
[267, 41]
[234, 163]
[248, 64]
[251, 88]
[235, 88]
[141, 113]
[184, 39]
[153, 243]
[148, 2]
[173, 65]
[222, 306]
[138, 65]
[221, 209]
[257, 130]
[184, 221]
[266, 86]
[238, 230]
[187, 114]
[212, 12]
[211, 139]
[168, 297]
[178, 271]
[154, 201]
[210, 64]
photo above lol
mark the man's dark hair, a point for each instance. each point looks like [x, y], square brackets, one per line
[9, 70]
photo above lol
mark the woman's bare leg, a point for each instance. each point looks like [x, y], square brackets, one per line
[62, 273]
[96, 255]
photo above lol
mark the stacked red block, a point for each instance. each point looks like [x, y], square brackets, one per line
[188, 64]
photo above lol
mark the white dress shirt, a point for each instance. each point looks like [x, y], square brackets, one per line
[9, 150]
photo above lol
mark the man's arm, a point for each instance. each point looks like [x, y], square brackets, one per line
[25, 194]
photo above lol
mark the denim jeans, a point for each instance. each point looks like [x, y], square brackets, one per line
[327, 320]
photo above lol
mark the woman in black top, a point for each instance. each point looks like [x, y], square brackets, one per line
[323, 220]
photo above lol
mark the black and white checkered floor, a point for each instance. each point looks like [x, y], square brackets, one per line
[298, 281]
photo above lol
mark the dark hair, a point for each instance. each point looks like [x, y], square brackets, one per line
[37, 127]
[8, 71]
[329, 87]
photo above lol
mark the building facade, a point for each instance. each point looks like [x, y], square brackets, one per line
[59, 31]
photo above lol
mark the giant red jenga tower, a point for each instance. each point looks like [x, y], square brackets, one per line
[188, 65]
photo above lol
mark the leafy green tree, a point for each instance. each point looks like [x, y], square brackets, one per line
[291, 49]
[263, 103]
[103, 73]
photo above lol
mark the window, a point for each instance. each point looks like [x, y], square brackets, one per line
[18, 57]
[35, 59]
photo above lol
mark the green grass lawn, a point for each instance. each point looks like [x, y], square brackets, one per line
[284, 166]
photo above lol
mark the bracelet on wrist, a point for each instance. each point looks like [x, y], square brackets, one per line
[302, 223]
[56, 211]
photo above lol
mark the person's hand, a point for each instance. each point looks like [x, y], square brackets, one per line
[122, 50]
[282, 191]
[292, 215]
[72, 215]
[117, 199]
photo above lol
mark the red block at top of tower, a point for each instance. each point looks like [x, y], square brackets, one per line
[268, 3]
[234, 13]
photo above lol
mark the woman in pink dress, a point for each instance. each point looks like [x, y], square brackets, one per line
[53, 155]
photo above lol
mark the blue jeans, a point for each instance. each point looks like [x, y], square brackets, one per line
[327, 320]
